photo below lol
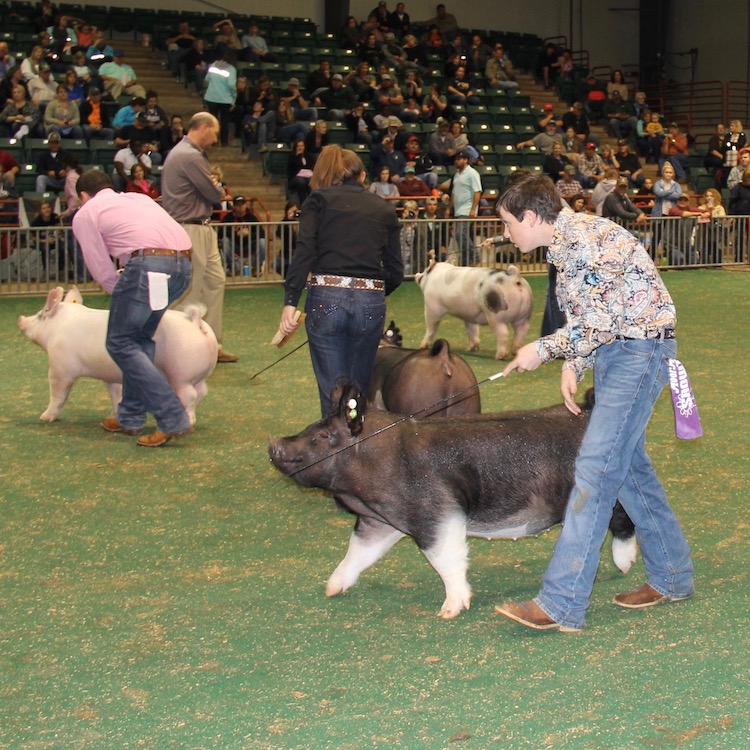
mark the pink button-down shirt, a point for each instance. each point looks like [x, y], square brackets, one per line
[114, 225]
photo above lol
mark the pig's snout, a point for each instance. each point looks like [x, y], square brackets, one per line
[23, 323]
[280, 455]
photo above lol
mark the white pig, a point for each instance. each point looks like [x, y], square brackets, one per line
[478, 296]
[74, 335]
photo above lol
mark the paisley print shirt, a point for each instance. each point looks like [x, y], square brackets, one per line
[608, 286]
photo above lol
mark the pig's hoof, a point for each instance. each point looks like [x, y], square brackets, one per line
[473, 348]
[335, 586]
[48, 416]
[449, 610]
[624, 552]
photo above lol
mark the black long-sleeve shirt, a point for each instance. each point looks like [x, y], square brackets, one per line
[346, 231]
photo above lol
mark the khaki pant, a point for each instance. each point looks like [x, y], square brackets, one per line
[209, 278]
[116, 89]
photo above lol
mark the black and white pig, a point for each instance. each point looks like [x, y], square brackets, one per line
[410, 381]
[496, 476]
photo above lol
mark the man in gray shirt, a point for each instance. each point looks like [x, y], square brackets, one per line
[189, 191]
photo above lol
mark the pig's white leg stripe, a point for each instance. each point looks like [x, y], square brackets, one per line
[450, 558]
[364, 551]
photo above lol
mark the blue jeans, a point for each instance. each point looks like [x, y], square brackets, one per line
[613, 464]
[344, 327]
[463, 231]
[130, 343]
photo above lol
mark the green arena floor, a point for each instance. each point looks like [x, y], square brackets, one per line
[174, 597]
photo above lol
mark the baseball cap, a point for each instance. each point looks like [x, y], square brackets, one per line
[591, 144]
[94, 91]
[409, 169]
[238, 199]
[683, 197]
[337, 77]
[394, 122]
[569, 168]
[622, 181]
[142, 117]
[463, 154]
[43, 67]
[548, 107]
[293, 82]
[54, 137]
[118, 53]
[622, 142]
[385, 77]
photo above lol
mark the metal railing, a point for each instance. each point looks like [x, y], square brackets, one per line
[35, 260]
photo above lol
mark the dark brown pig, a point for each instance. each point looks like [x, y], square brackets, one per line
[495, 476]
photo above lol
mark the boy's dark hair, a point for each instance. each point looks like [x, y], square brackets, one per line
[535, 193]
[93, 181]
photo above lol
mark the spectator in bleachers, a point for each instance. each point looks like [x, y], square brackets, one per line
[595, 96]
[543, 141]
[171, 136]
[370, 51]
[395, 56]
[461, 140]
[743, 163]
[44, 40]
[394, 128]
[9, 168]
[142, 131]
[577, 202]
[389, 96]
[120, 78]
[299, 171]
[499, 70]
[440, 144]
[85, 33]
[674, 149]
[411, 110]
[351, 35]
[286, 233]
[567, 185]
[547, 115]
[125, 158]
[608, 157]
[667, 190]
[254, 46]
[362, 125]
[478, 55]
[547, 68]
[434, 105]
[297, 103]
[338, 99]
[196, 64]
[287, 127]
[99, 52]
[603, 189]
[644, 198]
[714, 158]
[63, 38]
[14, 78]
[564, 65]
[155, 115]
[49, 167]
[126, 115]
[178, 46]
[226, 36]
[460, 89]
[316, 140]
[221, 91]
[590, 166]
[95, 119]
[72, 172]
[617, 205]
[639, 103]
[385, 154]
[6, 61]
[46, 243]
[74, 90]
[629, 165]
[399, 21]
[244, 243]
[43, 88]
[452, 64]
[260, 122]
[734, 141]
[20, 116]
[319, 79]
[555, 163]
[140, 182]
[382, 17]
[434, 40]
[576, 118]
[457, 46]
[649, 134]
[362, 83]
[617, 83]
[412, 87]
[422, 163]
[572, 145]
[619, 114]
[411, 186]
[384, 187]
[445, 22]
[30, 65]
[432, 234]
[414, 51]
[62, 116]
[43, 14]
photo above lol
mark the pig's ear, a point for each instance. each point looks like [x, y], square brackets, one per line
[352, 405]
[74, 295]
[53, 300]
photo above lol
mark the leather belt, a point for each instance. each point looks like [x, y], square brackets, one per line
[347, 282]
[203, 222]
[655, 333]
[145, 251]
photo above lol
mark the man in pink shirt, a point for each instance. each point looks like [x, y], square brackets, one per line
[153, 252]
